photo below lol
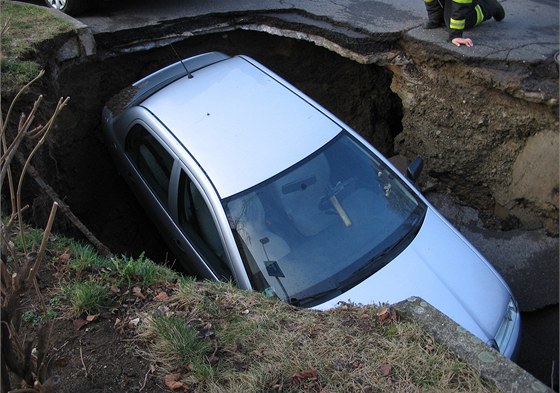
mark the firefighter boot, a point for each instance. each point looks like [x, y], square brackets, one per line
[435, 14]
[432, 24]
[497, 11]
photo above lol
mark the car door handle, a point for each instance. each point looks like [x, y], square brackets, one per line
[130, 178]
[179, 245]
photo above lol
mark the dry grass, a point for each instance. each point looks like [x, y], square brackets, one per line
[255, 344]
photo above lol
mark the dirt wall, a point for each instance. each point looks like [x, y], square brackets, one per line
[494, 145]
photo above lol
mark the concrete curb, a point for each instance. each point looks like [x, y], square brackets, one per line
[76, 47]
[502, 372]
[79, 45]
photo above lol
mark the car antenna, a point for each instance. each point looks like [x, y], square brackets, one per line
[189, 75]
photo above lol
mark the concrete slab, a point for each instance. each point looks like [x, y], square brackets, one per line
[503, 373]
[529, 32]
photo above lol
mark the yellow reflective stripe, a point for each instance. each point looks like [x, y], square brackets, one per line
[429, 1]
[463, 1]
[457, 24]
[479, 14]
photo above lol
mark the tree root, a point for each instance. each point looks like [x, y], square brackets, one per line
[65, 209]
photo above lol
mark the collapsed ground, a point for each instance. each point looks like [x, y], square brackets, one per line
[388, 106]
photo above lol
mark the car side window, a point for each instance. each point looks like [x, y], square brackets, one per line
[196, 221]
[152, 160]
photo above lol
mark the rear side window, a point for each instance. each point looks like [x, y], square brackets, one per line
[151, 159]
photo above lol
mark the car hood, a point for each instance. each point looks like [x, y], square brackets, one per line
[443, 269]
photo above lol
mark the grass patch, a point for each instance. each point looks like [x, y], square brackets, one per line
[84, 256]
[18, 73]
[32, 238]
[262, 345]
[24, 28]
[142, 270]
[86, 297]
[36, 318]
[177, 341]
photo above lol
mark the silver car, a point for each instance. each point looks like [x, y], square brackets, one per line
[250, 180]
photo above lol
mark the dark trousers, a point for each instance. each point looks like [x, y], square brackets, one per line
[440, 11]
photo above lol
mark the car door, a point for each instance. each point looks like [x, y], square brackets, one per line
[175, 204]
[200, 234]
[148, 172]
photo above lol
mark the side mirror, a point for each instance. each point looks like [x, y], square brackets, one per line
[414, 169]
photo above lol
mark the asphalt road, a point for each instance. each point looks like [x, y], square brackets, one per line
[529, 32]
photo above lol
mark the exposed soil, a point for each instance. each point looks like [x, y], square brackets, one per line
[98, 359]
[91, 356]
[472, 134]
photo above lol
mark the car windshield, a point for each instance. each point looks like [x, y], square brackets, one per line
[325, 224]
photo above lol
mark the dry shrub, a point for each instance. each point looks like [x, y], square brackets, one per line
[23, 358]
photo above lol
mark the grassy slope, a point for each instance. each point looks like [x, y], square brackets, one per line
[213, 337]
[24, 29]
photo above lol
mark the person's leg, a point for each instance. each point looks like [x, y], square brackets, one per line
[435, 14]
[492, 9]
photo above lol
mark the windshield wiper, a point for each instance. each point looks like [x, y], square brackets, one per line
[368, 268]
[309, 301]
[372, 265]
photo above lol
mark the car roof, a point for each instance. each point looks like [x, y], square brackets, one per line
[241, 123]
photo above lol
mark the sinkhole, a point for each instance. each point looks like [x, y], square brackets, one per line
[76, 161]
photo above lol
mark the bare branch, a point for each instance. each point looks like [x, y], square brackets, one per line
[65, 209]
[33, 271]
[24, 124]
[5, 121]
[61, 104]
